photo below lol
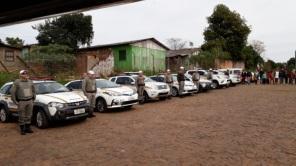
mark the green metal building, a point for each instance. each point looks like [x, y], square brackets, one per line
[148, 55]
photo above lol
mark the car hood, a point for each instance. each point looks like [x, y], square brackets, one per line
[154, 84]
[63, 97]
[121, 90]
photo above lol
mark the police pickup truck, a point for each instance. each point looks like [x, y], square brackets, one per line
[54, 102]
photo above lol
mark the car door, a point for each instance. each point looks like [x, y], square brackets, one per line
[126, 81]
[7, 98]
[76, 86]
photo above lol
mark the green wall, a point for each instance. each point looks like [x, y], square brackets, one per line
[123, 65]
[147, 59]
[139, 58]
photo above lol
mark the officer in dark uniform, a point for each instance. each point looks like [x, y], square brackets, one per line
[169, 81]
[23, 95]
[140, 84]
[89, 89]
[181, 81]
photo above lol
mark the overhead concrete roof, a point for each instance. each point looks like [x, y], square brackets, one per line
[15, 11]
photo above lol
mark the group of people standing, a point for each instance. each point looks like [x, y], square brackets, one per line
[282, 76]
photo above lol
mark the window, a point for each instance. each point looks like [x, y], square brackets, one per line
[75, 85]
[122, 55]
[6, 89]
[9, 56]
[124, 80]
[201, 73]
[113, 79]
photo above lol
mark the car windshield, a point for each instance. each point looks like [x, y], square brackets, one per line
[238, 72]
[147, 79]
[106, 84]
[49, 87]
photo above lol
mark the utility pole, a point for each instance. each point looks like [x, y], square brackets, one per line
[295, 60]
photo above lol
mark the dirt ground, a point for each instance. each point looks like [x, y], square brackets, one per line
[243, 125]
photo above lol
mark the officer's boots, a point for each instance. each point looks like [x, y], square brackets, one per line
[28, 129]
[23, 131]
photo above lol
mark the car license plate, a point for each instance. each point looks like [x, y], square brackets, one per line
[79, 111]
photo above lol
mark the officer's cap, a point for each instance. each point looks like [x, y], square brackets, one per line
[91, 72]
[23, 72]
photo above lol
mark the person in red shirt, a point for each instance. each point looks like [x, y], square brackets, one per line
[270, 77]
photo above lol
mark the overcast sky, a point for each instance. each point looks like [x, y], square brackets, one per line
[272, 21]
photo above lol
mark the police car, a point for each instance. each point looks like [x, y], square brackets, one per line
[189, 86]
[153, 90]
[109, 95]
[54, 102]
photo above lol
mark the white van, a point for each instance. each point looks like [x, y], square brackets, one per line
[234, 74]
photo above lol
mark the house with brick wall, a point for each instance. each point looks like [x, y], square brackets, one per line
[10, 59]
[145, 54]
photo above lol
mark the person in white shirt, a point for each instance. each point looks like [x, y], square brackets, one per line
[276, 76]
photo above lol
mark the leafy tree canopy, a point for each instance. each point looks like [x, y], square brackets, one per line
[73, 30]
[252, 57]
[228, 31]
[15, 42]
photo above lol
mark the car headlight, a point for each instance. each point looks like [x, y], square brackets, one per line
[218, 77]
[57, 105]
[111, 93]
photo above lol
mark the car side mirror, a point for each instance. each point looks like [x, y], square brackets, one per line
[133, 83]
[70, 89]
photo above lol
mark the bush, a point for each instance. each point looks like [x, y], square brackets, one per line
[7, 77]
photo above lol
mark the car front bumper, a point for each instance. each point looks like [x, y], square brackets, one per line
[70, 114]
[154, 94]
[123, 101]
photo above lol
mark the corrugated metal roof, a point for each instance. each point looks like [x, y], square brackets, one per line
[182, 52]
[125, 43]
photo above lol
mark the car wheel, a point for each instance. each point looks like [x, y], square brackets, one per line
[101, 105]
[175, 92]
[41, 120]
[215, 85]
[4, 116]
[146, 97]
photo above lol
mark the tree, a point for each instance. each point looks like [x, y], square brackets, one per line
[291, 64]
[226, 31]
[252, 58]
[269, 65]
[52, 57]
[73, 30]
[258, 46]
[15, 42]
[176, 43]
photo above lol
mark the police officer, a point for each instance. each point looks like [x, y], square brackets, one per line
[89, 89]
[195, 79]
[23, 95]
[169, 81]
[181, 81]
[210, 74]
[140, 84]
